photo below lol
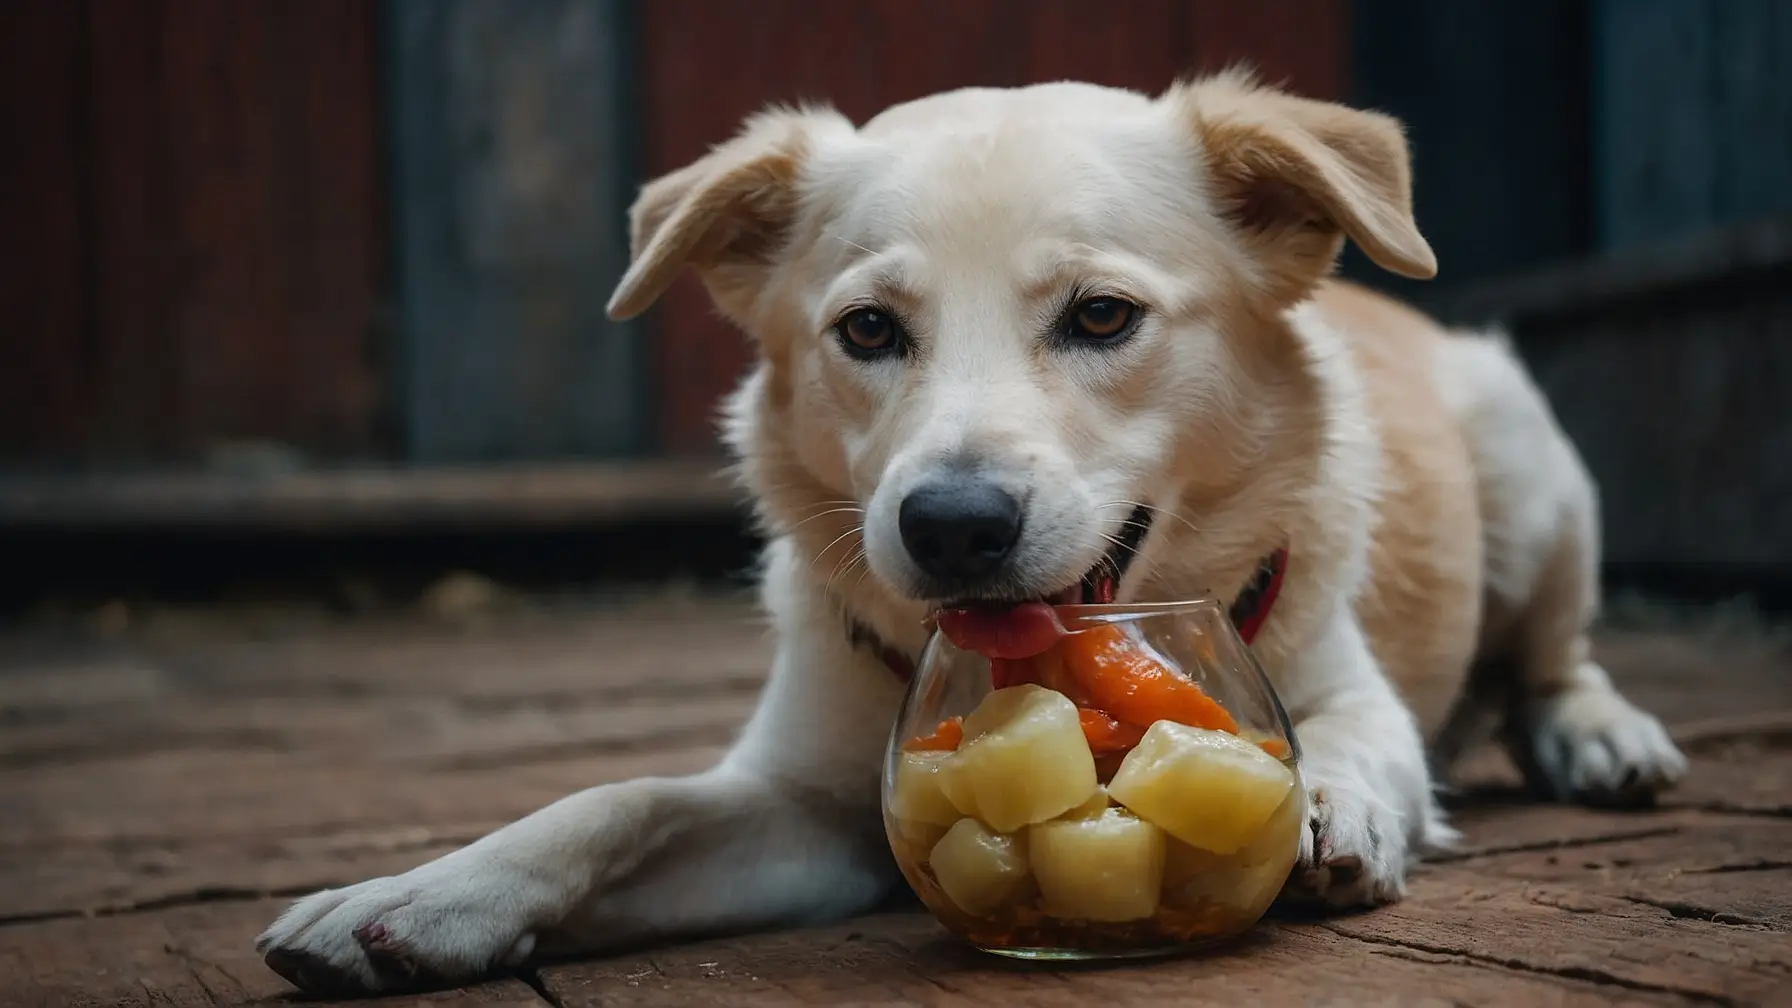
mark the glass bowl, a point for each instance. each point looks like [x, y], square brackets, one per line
[1132, 790]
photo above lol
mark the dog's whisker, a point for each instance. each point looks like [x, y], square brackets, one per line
[852, 561]
[854, 244]
[1111, 562]
[837, 541]
[1142, 506]
[824, 514]
[836, 503]
[864, 569]
[830, 506]
[1153, 509]
[833, 573]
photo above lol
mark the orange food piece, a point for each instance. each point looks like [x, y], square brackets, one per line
[1006, 672]
[1107, 735]
[1120, 676]
[1048, 670]
[1275, 747]
[946, 737]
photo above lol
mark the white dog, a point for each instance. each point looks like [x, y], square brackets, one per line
[994, 327]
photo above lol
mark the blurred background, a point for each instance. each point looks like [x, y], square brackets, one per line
[294, 287]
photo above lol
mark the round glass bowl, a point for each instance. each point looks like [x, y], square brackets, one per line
[1131, 790]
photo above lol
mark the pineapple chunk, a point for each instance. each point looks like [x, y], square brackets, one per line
[1003, 706]
[1091, 809]
[912, 841]
[1024, 760]
[1209, 789]
[1248, 880]
[915, 796]
[1108, 868]
[978, 870]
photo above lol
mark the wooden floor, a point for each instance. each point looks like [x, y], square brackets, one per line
[167, 783]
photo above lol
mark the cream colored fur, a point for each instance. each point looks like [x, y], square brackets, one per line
[1438, 520]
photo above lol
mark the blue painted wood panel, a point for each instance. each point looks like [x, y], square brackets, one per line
[511, 171]
[1692, 115]
[1493, 94]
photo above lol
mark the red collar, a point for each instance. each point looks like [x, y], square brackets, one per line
[1248, 612]
[1251, 607]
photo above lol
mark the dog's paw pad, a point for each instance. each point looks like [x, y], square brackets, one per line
[1592, 745]
[393, 934]
[313, 973]
[1345, 861]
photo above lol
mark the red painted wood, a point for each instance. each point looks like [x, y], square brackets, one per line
[706, 64]
[1303, 45]
[43, 322]
[210, 170]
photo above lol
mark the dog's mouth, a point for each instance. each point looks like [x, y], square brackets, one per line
[1025, 627]
[1100, 584]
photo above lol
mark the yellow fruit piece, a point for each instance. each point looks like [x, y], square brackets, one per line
[915, 795]
[1209, 789]
[912, 841]
[1247, 880]
[1093, 808]
[1024, 760]
[978, 870]
[1107, 868]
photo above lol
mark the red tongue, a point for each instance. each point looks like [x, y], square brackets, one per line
[1021, 632]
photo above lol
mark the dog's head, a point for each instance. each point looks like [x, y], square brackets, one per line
[1012, 327]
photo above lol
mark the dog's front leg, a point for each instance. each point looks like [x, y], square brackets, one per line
[1370, 806]
[785, 830]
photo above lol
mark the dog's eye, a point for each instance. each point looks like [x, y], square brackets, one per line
[1101, 320]
[867, 332]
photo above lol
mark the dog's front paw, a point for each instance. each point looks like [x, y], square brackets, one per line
[1353, 852]
[405, 932]
[1590, 744]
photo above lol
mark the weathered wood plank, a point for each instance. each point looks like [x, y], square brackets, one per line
[1753, 117]
[906, 959]
[190, 957]
[45, 398]
[1692, 125]
[1567, 932]
[445, 734]
[1746, 778]
[510, 150]
[167, 798]
[374, 499]
[237, 251]
[180, 779]
[1685, 449]
[181, 826]
[1500, 158]
[1652, 125]
[1578, 286]
[1728, 869]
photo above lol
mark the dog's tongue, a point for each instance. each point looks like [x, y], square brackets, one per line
[1020, 632]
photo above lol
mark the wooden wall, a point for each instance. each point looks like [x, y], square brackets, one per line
[1669, 365]
[194, 237]
[705, 64]
[1500, 181]
[1693, 115]
[200, 225]
[512, 166]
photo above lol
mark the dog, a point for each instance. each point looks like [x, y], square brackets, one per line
[994, 328]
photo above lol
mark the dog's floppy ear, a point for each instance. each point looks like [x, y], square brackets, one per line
[1297, 175]
[731, 207]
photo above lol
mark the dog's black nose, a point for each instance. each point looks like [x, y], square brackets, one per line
[959, 529]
